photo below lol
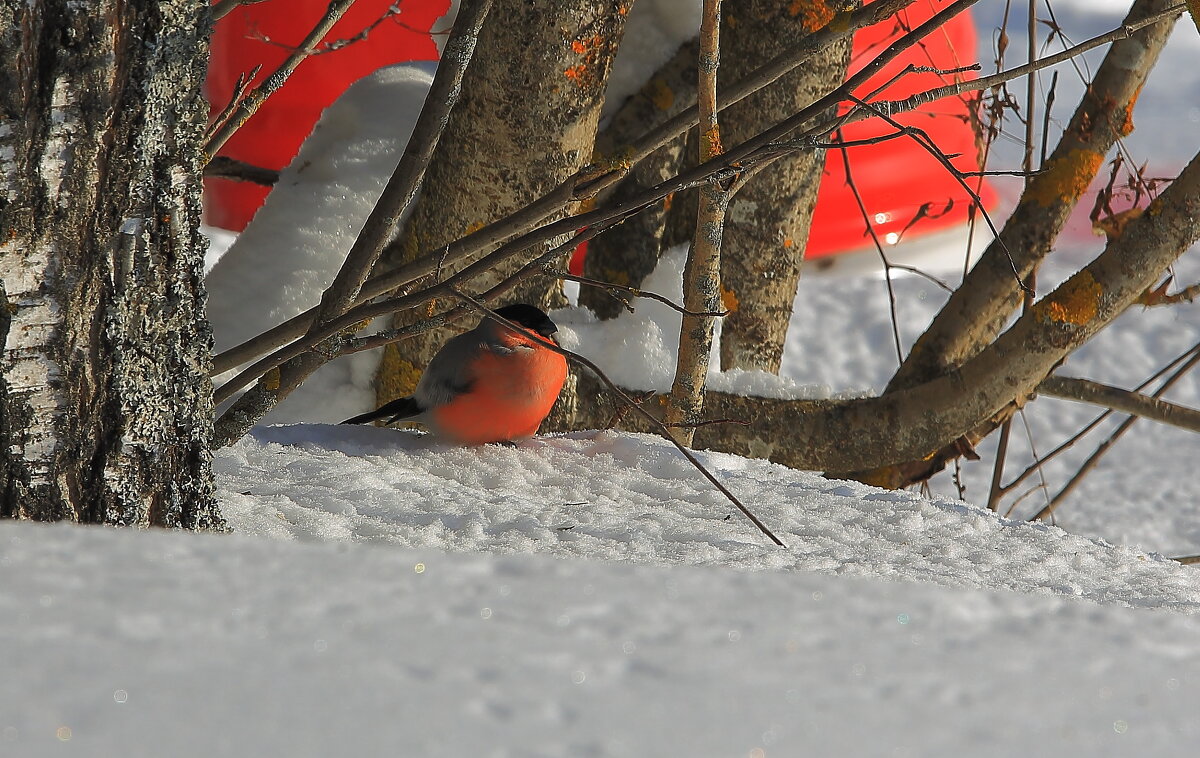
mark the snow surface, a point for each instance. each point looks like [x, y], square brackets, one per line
[590, 595]
[128, 644]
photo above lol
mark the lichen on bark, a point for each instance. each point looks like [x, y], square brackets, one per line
[105, 399]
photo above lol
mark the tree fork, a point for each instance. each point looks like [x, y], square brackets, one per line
[977, 311]
[905, 425]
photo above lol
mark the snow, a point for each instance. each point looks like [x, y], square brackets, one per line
[590, 594]
[296, 243]
[129, 644]
[622, 496]
[654, 31]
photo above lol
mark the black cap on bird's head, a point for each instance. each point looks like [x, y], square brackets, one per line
[533, 319]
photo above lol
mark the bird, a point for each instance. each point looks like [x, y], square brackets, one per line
[491, 384]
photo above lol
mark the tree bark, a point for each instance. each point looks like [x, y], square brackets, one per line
[978, 310]
[905, 425]
[526, 121]
[768, 222]
[769, 219]
[105, 401]
[628, 253]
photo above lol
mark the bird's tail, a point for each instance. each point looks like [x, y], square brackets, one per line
[400, 408]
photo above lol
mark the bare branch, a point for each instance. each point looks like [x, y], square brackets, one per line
[1104, 447]
[978, 310]
[1193, 353]
[397, 196]
[1124, 401]
[887, 265]
[257, 96]
[760, 148]
[702, 272]
[635, 291]
[223, 8]
[224, 167]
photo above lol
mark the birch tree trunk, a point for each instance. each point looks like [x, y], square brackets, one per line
[105, 404]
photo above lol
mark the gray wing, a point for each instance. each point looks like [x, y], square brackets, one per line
[449, 374]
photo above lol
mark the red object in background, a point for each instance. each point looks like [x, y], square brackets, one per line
[272, 137]
[895, 178]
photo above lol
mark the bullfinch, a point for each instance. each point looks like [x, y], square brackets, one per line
[490, 384]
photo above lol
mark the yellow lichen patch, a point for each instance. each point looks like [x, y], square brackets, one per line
[787, 243]
[579, 47]
[1064, 179]
[729, 299]
[813, 14]
[1075, 302]
[711, 139]
[668, 201]
[473, 227]
[660, 94]
[270, 379]
[397, 376]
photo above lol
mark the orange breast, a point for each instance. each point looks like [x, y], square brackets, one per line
[509, 397]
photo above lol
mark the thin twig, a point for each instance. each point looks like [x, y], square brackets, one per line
[1191, 352]
[630, 402]
[887, 265]
[566, 192]
[574, 189]
[224, 167]
[993, 501]
[922, 138]
[222, 8]
[399, 193]
[1104, 447]
[254, 99]
[636, 292]
[239, 91]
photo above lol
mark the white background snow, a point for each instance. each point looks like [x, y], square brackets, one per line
[591, 595]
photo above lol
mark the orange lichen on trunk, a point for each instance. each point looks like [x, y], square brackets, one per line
[729, 299]
[1064, 179]
[1076, 302]
[660, 94]
[1126, 127]
[813, 14]
[712, 142]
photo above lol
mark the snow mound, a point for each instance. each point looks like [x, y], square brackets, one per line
[291, 251]
[621, 497]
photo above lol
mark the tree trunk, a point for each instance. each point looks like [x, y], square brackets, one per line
[628, 253]
[105, 404]
[769, 219]
[526, 121]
